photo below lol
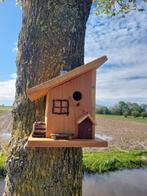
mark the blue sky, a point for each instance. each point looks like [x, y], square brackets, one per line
[122, 38]
[10, 23]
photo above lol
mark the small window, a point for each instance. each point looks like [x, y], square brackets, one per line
[60, 106]
[77, 96]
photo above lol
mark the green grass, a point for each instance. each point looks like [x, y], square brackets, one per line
[118, 117]
[102, 162]
[2, 165]
[5, 109]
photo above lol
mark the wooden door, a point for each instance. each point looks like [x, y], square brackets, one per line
[85, 129]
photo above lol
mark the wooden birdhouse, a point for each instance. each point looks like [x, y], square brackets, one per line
[70, 109]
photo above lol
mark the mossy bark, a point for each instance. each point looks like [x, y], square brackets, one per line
[52, 37]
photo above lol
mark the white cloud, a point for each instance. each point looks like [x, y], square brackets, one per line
[7, 90]
[124, 41]
[128, 84]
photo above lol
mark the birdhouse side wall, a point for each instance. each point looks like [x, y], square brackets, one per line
[62, 96]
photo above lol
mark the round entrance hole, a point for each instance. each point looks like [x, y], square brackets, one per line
[77, 95]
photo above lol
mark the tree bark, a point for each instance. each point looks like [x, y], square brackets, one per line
[51, 38]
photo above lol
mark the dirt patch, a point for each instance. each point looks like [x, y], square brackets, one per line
[6, 122]
[125, 134]
[5, 129]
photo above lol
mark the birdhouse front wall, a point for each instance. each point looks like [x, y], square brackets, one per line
[68, 102]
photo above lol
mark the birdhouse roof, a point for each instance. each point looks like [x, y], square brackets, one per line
[42, 89]
[85, 117]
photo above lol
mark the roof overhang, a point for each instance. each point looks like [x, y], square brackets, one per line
[42, 89]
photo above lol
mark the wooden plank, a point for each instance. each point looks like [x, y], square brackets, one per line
[93, 100]
[46, 112]
[77, 109]
[48, 143]
[42, 89]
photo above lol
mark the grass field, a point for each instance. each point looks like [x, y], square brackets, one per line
[2, 165]
[5, 109]
[119, 117]
[113, 160]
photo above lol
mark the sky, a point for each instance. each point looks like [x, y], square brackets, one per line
[10, 24]
[122, 38]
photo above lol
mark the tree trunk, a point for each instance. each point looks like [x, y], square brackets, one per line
[51, 38]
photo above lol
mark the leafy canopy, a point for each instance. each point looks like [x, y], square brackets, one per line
[113, 7]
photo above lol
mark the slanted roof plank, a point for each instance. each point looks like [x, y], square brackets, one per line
[41, 90]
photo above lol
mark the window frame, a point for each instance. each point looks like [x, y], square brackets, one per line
[58, 104]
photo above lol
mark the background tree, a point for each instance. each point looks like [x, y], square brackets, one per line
[125, 109]
[116, 110]
[144, 114]
[125, 114]
[102, 110]
[51, 38]
[144, 107]
[135, 113]
[136, 109]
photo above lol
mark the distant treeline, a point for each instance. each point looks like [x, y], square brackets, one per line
[125, 109]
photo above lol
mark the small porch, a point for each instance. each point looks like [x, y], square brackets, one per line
[34, 142]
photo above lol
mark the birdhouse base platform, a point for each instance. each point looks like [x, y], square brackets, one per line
[34, 142]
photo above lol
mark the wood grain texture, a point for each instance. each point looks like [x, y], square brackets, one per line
[77, 109]
[93, 82]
